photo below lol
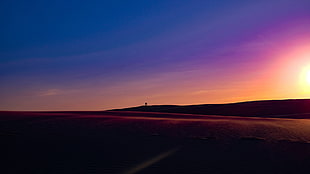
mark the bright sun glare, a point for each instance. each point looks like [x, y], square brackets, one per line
[305, 79]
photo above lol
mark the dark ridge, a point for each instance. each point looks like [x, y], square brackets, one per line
[292, 108]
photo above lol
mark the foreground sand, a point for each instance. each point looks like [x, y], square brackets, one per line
[137, 142]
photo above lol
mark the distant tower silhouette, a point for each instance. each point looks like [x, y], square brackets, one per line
[145, 104]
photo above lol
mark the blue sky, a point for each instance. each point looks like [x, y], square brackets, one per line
[69, 49]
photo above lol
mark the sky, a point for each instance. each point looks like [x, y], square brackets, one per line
[98, 55]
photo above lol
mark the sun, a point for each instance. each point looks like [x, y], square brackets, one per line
[307, 77]
[305, 80]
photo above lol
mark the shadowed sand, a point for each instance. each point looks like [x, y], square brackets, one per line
[144, 142]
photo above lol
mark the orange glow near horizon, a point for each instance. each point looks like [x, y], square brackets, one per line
[286, 74]
[299, 65]
[305, 79]
[308, 77]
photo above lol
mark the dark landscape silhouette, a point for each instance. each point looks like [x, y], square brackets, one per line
[293, 108]
[138, 140]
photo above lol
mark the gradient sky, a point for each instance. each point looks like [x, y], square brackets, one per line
[95, 55]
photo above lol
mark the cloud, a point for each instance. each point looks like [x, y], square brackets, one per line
[57, 92]
[51, 92]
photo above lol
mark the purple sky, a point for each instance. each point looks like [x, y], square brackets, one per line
[95, 55]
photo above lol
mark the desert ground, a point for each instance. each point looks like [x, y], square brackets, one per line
[151, 142]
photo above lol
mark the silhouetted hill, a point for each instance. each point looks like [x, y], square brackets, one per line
[293, 108]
